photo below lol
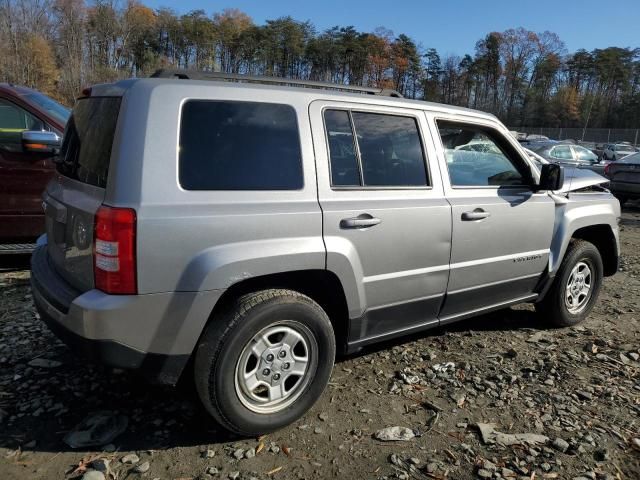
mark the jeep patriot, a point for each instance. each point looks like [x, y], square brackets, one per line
[245, 230]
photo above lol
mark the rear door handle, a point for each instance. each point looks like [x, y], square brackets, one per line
[477, 214]
[361, 221]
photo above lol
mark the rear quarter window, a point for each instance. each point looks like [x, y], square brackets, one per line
[86, 149]
[228, 145]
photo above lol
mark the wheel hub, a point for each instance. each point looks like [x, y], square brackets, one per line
[578, 290]
[272, 370]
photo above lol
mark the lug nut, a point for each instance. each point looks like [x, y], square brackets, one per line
[282, 354]
[286, 366]
[270, 357]
[276, 376]
[266, 372]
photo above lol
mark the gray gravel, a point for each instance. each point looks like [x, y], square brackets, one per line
[575, 391]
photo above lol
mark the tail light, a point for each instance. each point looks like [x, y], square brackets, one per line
[114, 250]
[606, 169]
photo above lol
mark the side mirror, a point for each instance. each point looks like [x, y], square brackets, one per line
[40, 142]
[551, 177]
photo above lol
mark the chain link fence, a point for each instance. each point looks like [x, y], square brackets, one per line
[593, 135]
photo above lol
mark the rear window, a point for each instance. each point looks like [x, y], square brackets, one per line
[239, 146]
[86, 148]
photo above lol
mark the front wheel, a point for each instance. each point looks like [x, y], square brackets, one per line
[265, 361]
[576, 286]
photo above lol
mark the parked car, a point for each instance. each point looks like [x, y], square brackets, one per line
[624, 178]
[31, 125]
[576, 180]
[253, 229]
[616, 151]
[569, 155]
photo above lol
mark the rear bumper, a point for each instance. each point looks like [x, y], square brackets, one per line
[154, 334]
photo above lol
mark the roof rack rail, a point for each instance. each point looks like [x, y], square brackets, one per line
[234, 77]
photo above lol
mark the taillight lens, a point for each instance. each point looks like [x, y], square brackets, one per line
[606, 169]
[114, 250]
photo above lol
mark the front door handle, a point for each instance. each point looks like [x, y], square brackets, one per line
[477, 214]
[361, 221]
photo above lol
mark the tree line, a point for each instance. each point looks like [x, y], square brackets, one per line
[524, 77]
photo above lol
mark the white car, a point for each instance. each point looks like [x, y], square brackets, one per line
[616, 151]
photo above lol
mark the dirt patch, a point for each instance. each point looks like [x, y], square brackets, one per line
[575, 391]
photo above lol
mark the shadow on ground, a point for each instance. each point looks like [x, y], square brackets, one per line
[43, 404]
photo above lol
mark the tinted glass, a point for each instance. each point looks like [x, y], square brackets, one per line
[342, 152]
[88, 137]
[475, 157]
[239, 146]
[585, 155]
[13, 121]
[562, 153]
[390, 150]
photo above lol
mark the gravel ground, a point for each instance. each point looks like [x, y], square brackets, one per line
[492, 397]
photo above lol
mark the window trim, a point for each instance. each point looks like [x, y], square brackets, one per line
[350, 111]
[486, 126]
[187, 100]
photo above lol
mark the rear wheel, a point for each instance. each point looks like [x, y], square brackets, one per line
[576, 286]
[265, 361]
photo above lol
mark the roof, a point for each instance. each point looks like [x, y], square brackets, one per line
[16, 89]
[315, 93]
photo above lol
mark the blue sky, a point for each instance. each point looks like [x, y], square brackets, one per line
[452, 26]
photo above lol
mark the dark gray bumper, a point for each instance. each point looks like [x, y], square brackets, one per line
[78, 326]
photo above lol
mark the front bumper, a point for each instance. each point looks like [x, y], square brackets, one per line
[154, 334]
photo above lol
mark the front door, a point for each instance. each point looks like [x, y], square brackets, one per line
[386, 223]
[501, 230]
[23, 177]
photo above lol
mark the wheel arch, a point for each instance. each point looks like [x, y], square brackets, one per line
[322, 286]
[603, 238]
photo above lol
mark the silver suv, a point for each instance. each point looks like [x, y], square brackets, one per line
[258, 228]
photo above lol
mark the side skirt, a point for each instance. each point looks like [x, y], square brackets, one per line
[356, 344]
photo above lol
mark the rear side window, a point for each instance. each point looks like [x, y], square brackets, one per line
[239, 146]
[389, 151]
[88, 138]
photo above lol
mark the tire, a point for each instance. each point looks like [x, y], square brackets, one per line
[555, 307]
[268, 322]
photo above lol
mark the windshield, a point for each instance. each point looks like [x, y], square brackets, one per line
[52, 107]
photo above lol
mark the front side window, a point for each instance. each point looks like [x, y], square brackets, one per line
[477, 157]
[389, 152]
[585, 155]
[228, 145]
[13, 121]
[562, 153]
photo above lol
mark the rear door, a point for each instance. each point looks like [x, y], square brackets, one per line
[77, 191]
[386, 223]
[501, 229]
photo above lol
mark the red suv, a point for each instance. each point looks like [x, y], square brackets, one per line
[31, 127]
